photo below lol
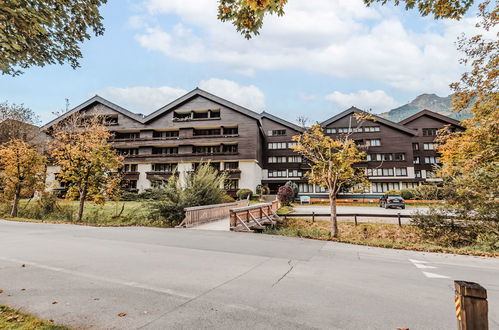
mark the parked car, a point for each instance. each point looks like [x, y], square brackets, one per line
[388, 201]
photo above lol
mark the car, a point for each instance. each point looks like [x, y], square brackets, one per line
[389, 201]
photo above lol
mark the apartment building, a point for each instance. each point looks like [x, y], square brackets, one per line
[255, 148]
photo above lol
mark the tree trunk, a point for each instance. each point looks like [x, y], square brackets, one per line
[17, 197]
[83, 196]
[334, 219]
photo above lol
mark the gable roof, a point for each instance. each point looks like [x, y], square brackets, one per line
[281, 121]
[95, 99]
[377, 118]
[432, 114]
[199, 92]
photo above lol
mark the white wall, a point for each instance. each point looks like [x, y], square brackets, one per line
[142, 182]
[251, 175]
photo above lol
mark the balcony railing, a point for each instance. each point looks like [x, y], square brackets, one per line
[158, 175]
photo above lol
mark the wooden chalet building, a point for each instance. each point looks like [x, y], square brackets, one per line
[255, 148]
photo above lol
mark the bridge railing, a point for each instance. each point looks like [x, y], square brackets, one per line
[198, 215]
[243, 215]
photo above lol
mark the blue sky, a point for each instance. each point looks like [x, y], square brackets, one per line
[320, 58]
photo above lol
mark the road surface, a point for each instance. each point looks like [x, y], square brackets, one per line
[193, 279]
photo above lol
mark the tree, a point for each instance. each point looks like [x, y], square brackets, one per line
[40, 32]
[22, 171]
[88, 164]
[17, 122]
[331, 164]
[470, 159]
[247, 15]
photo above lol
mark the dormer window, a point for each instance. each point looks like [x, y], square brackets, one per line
[201, 114]
[277, 132]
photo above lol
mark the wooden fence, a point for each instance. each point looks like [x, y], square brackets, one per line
[197, 215]
[356, 216]
[253, 217]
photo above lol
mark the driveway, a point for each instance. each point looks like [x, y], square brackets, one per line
[193, 279]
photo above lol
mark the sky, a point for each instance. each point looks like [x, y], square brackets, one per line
[319, 59]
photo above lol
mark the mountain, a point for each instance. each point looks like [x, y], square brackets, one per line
[433, 102]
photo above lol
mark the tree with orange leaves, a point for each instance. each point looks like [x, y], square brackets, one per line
[88, 164]
[22, 171]
[331, 164]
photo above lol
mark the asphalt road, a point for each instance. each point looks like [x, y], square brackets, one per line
[357, 209]
[193, 279]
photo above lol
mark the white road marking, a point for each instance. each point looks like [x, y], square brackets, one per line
[433, 275]
[421, 265]
[102, 278]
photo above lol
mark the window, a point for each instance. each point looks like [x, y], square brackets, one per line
[401, 171]
[165, 151]
[373, 142]
[130, 168]
[164, 134]
[294, 159]
[415, 146]
[429, 146]
[416, 160]
[292, 144]
[129, 184]
[231, 131]
[417, 173]
[232, 185]
[126, 136]
[399, 157]
[215, 113]
[278, 173]
[281, 159]
[387, 157]
[128, 152]
[167, 167]
[388, 172]
[431, 160]
[231, 165]
[331, 130]
[277, 145]
[230, 148]
[379, 172]
[277, 132]
[381, 187]
[110, 120]
[205, 132]
[295, 173]
[320, 189]
[305, 188]
[371, 129]
[430, 131]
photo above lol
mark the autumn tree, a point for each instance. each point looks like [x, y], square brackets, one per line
[470, 159]
[331, 164]
[88, 164]
[40, 32]
[247, 15]
[22, 171]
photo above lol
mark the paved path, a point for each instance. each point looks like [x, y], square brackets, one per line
[220, 225]
[192, 279]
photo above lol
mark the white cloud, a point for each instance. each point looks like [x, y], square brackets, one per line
[377, 100]
[341, 38]
[250, 96]
[306, 96]
[141, 98]
[145, 99]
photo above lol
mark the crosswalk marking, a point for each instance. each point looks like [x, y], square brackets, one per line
[421, 264]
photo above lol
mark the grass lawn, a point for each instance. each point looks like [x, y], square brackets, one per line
[11, 319]
[373, 234]
[121, 213]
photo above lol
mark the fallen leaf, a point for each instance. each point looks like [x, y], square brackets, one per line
[52, 321]
[96, 298]
[23, 265]
[23, 289]
[54, 302]
[9, 295]
[1, 291]
[121, 314]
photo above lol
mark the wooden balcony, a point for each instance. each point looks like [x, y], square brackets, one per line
[233, 174]
[131, 175]
[158, 175]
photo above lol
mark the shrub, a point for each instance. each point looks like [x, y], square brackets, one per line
[407, 193]
[244, 194]
[228, 199]
[129, 196]
[393, 192]
[201, 187]
[262, 190]
[427, 192]
[285, 195]
[293, 186]
[152, 193]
